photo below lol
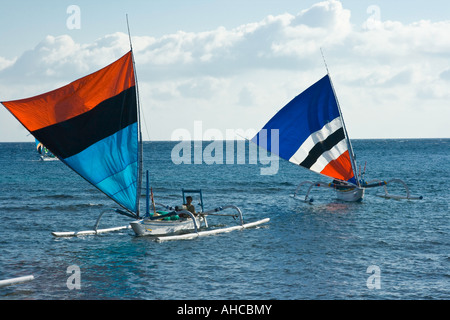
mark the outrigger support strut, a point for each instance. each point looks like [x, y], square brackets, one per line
[192, 216]
[210, 212]
[389, 196]
[98, 221]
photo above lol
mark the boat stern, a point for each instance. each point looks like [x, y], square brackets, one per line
[138, 227]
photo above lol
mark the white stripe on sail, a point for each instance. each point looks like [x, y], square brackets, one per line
[329, 156]
[318, 136]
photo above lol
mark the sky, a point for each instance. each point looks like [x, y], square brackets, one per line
[231, 65]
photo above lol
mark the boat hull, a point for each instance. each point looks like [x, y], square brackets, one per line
[350, 195]
[48, 158]
[146, 227]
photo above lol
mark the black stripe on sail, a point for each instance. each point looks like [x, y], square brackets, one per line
[322, 147]
[67, 138]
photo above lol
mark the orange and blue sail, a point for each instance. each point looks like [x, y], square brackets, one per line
[311, 133]
[91, 125]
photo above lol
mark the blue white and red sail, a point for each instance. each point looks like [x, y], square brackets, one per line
[311, 133]
[91, 125]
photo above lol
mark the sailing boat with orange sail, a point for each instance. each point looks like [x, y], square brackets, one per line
[93, 126]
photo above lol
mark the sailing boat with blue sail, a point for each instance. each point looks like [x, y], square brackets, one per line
[93, 126]
[310, 132]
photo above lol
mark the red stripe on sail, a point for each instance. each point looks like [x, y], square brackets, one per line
[341, 168]
[75, 98]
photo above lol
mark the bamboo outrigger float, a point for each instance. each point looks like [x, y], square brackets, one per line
[18, 280]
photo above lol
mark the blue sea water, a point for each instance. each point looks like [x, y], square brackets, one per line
[322, 250]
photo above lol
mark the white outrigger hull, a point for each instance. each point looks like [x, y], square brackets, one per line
[173, 230]
[356, 194]
[147, 227]
[164, 230]
[350, 195]
[47, 158]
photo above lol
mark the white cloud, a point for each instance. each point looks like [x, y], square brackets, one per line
[274, 42]
[260, 66]
[5, 63]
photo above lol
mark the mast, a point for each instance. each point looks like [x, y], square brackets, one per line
[347, 139]
[140, 148]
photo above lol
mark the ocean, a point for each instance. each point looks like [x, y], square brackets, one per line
[375, 249]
